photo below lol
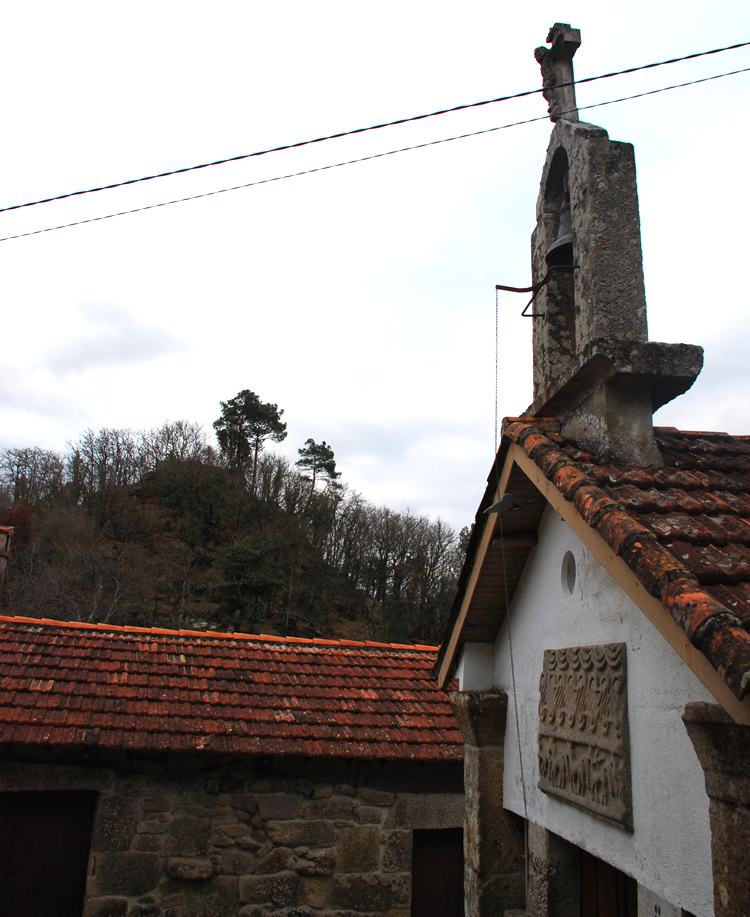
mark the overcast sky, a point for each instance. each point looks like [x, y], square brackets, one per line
[360, 299]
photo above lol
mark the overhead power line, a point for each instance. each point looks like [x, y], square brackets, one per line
[349, 162]
[362, 130]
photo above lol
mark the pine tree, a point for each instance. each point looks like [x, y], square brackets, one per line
[245, 424]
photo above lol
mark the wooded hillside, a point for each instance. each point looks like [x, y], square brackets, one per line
[159, 528]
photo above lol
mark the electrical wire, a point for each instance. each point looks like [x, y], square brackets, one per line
[362, 130]
[349, 162]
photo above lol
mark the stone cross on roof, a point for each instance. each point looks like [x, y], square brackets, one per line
[557, 71]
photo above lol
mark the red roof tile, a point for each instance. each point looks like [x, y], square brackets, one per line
[69, 684]
[683, 529]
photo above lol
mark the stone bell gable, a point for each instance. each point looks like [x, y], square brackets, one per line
[594, 368]
[600, 633]
[603, 297]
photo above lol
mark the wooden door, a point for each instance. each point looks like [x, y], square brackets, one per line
[437, 873]
[605, 891]
[44, 851]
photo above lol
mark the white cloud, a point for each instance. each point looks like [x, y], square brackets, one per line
[110, 337]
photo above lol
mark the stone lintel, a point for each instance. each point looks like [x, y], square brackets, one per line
[723, 749]
[481, 716]
[21, 775]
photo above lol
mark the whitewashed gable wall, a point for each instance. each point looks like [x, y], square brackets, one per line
[669, 851]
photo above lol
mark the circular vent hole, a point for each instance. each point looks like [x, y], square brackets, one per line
[568, 577]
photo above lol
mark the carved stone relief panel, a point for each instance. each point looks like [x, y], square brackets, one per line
[584, 744]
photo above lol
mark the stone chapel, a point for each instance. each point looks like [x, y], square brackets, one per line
[600, 631]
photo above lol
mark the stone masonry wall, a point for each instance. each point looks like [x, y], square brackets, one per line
[244, 840]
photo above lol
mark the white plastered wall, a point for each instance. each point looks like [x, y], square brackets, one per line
[669, 851]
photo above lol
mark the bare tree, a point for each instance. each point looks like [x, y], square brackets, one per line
[100, 462]
[31, 474]
[174, 439]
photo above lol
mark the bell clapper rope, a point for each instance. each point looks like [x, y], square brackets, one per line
[499, 508]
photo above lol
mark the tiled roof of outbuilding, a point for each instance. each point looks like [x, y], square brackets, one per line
[683, 529]
[66, 684]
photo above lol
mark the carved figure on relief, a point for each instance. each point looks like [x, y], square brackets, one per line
[584, 752]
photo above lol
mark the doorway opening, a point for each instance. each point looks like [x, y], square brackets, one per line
[45, 839]
[605, 891]
[437, 873]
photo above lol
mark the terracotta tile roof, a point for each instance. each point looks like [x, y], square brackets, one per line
[683, 529]
[66, 684]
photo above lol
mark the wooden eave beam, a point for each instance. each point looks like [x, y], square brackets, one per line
[446, 666]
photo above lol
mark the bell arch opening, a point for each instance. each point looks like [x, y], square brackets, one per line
[555, 329]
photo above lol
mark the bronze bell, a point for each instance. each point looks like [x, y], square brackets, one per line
[561, 250]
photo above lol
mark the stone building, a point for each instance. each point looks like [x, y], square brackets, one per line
[155, 773]
[600, 632]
